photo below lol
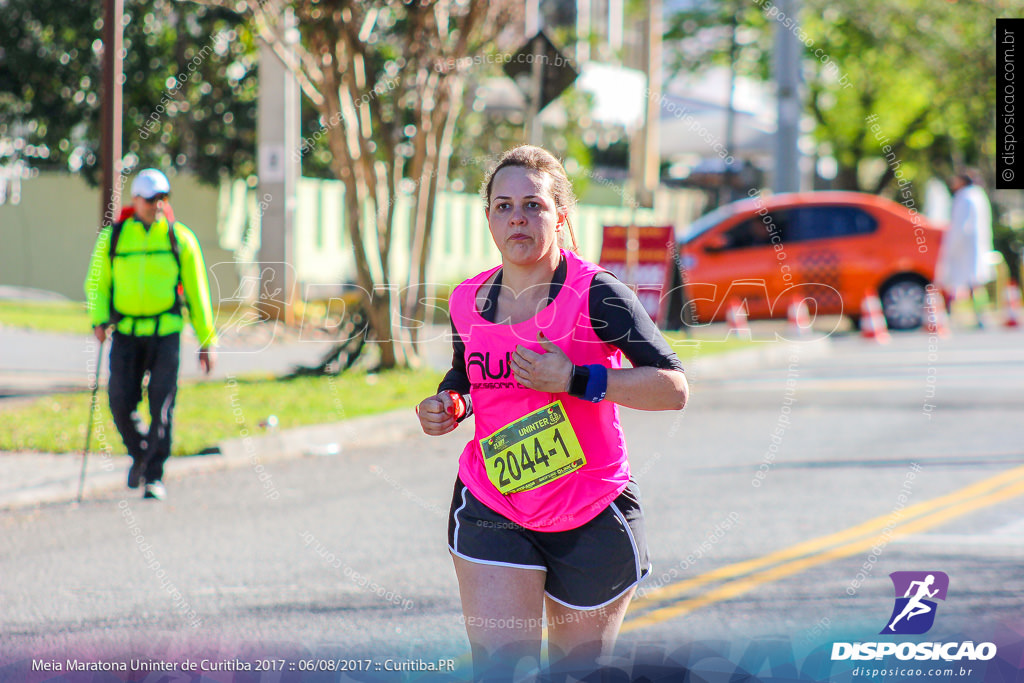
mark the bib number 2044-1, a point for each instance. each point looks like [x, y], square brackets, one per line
[532, 451]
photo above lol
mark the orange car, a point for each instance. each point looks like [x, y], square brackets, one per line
[830, 247]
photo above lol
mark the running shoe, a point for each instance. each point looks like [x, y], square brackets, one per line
[155, 490]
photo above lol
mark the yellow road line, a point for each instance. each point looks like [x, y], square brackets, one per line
[1009, 490]
[818, 544]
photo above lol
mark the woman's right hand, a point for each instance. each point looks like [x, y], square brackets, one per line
[437, 414]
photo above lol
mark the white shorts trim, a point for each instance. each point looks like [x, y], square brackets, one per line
[640, 576]
[455, 540]
[632, 540]
[590, 609]
[467, 558]
[455, 537]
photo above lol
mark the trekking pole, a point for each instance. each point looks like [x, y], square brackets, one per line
[88, 425]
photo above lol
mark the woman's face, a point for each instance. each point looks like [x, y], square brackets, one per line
[522, 216]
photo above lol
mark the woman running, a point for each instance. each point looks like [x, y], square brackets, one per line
[545, 517]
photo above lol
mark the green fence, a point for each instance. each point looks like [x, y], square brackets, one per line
[461, 244]
[47, 243]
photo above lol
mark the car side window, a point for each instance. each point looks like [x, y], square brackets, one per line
[755, 232]
[826, 222]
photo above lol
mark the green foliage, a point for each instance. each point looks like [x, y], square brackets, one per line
[189, 86]
[700, 36]
[390, 87]
[1009, 240]
[925, 69]
[481, 137]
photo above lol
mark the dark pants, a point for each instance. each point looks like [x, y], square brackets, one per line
[131, 358]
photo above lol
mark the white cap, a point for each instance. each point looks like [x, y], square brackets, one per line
[149, 183]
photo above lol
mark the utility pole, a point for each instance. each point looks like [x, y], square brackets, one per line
[278, 145]
[531, 29]
[787, 79]
[730, 115]
[110, 143]
[645, 147]
[651, 171]
[583, 22]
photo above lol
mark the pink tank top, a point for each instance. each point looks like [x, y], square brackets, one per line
[498, 399]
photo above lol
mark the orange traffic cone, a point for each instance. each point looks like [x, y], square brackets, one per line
[935, 319]
[872, 320]
[799, 318]
[1012, 305]
[736, 317]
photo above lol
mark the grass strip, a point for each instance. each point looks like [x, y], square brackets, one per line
[690, 348]
[64, 317]
[209, 412]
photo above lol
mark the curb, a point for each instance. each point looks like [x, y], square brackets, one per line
[106, 474]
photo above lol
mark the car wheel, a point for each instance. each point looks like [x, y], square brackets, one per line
[903, 303]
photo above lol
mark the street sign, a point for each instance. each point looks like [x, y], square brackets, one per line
[557, 72]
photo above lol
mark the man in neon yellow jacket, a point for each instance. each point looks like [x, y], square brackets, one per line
[144, 270]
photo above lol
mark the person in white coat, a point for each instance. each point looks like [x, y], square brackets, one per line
[964, 256]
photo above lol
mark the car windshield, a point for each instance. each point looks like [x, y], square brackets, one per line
[710, 220]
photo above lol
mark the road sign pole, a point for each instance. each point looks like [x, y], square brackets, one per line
[110, 155]
[542, 72]
[534, 132]
[531, 30]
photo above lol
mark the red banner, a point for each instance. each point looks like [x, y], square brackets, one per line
[641, 257]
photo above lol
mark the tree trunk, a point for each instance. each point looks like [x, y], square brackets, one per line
[846, 178]
[426, 159]
[379, 312]
[338, 67]
[378, 299]
[444, 129]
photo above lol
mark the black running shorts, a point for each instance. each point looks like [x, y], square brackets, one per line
[587, 567]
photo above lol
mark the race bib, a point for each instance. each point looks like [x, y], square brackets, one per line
[532, 451]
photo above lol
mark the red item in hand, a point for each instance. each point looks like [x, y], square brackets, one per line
[458, 408]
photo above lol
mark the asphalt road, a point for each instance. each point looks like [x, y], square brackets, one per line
[872, 460]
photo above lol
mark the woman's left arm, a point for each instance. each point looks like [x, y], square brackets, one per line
[656, 380]
[648, 388]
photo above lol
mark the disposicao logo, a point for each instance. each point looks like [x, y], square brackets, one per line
[914, 614]
[916, 592]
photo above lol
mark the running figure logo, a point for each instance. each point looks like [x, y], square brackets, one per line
[914, 613]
